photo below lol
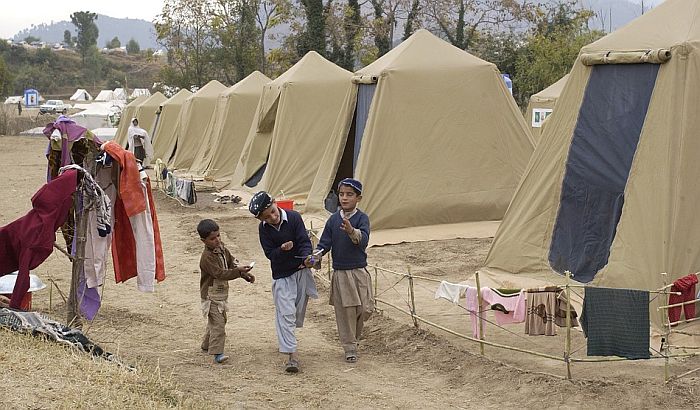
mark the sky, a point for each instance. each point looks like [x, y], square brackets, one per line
[18, 15]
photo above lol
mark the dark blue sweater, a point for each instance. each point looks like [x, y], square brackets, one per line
[285, 263]
[346, 255]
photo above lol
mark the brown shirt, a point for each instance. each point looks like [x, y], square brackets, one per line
[218, 267]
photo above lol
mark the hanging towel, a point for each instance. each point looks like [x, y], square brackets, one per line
[685, 285]
[541, 308]
[450, 291]
[560, 311]
[616, 322]
[511, 306]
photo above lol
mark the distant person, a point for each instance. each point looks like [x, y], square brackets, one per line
[286, 244]
[19, 108]
[217, 267]
[139, 142]
[346, 235]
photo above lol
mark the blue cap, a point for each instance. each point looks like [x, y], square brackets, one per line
[351, 182]
[259, 202]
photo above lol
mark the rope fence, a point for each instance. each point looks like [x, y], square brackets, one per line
[412, 282]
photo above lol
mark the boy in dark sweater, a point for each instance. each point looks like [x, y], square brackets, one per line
[286, 244]
[217, 266]
[346, 235]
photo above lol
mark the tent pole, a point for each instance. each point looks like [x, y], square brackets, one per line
[479, 313]
[567, 353]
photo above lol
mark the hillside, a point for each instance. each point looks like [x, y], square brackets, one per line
[125, 29]
[56, 74]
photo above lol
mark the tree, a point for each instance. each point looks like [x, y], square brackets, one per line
[113, 43]
[184, 29]
[84, 22]
[234, 27]
[31, 39]
[5, 79]
[269, 14]
[411, 19]
[132, 47]
[314, 35]
[552, 46]
[67, 38]
[461, 21]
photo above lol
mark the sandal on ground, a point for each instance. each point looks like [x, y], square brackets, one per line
[351, 357]
[292, 366]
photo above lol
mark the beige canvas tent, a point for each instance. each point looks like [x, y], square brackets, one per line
[611, 191]
[294, 121]
[166, 124]
[195, 115]
[125, 120]
[541, 106]
[224, 138]
[146, 112]
[434, 136]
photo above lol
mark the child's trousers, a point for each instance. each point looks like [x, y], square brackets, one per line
[215, 335]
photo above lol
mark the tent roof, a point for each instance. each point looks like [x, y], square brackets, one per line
[680, 20]
[211, 89]
[178, 98]
[423, 50]
[252, 84]
[81, 94]
[552, 92]
[311, 68]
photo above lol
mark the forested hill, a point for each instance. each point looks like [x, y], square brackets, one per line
[125, 29]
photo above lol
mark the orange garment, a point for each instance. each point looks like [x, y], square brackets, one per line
[123, 241]
[130, 190]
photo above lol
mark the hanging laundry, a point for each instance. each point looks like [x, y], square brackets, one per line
[186, 190]
[136, 246]
[616, 322]
[511, 306]
[560, 311]
[686, 286]
[97, 245]
[28, 241]
[450, 291]
[541, 310]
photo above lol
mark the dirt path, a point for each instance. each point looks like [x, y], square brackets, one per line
[398, 367]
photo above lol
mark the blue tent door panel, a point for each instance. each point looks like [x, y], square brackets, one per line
[605, 139]
[365, 93]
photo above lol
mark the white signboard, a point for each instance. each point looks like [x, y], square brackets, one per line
[539, 115]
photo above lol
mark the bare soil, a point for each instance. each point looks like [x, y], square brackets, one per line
[399, 366]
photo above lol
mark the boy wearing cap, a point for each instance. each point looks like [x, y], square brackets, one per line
[286, 244]
[346, 235]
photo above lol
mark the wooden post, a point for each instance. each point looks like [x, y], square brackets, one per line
[413, 299]
[376, 283]
[567, 353]
[479, 313]
[50, 296]
[73, 318]
[80, 235]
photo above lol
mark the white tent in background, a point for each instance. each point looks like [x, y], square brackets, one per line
[104, 134]
[106, 95]
[96, 115]
[81, 95]
[14, 99]
[138, 92]
[120, 94]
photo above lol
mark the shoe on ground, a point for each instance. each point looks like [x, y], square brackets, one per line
[220, 358]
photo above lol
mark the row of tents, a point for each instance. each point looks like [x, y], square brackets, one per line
[109, 95]
[605, 190]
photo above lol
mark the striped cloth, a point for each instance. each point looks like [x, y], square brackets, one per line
[616, 322]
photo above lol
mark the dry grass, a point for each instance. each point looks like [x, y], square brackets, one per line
[41, 374]
[12, 124]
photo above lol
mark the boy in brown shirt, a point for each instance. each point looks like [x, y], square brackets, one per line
[217, 266]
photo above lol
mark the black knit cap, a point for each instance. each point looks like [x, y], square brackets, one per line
[259, 202]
